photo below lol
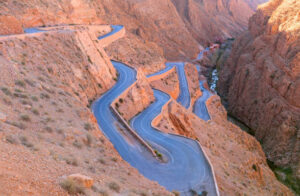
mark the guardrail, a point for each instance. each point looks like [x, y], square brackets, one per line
[132, 132]
[157, 77]
[108, 40]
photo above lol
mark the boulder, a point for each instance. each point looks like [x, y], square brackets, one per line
[81, 180]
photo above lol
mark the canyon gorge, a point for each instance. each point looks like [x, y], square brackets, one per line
[260, 82]
[111, 97]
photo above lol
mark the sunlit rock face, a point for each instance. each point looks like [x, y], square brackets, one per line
[261, 80]
[209, 20]
[174, 29]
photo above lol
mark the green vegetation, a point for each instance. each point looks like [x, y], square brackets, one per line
[254, 167]
[72, 187]
[272, 75]
[89, 59]
[6, 91]
[72, 161]
[19, 95]
[34, 98]
[25, 142]
[286, 176]
[89, 139]
[20, 83]
[102, 161]
[29, 82]
[77, 144]
[114, 186]
[158, 154]
[11, 139]
[88, 126]
[36, 112]
[25, 117]
[49, 129]
[114, 159]
[50, 70]
[17, 124]
[44, 95]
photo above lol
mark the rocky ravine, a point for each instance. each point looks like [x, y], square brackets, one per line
[261, 81]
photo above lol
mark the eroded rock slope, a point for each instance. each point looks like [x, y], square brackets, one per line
[261, 80]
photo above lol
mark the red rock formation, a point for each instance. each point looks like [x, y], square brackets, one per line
[167, 82]
[176, 26]
[46, 129]
[10, 25]
[192, 77]
[208, 20]
[139, 95]
[261, 80]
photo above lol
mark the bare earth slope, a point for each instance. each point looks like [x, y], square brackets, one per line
[261, 80]
[46, 128]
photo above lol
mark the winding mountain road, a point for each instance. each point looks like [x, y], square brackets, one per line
[184, 96]
[185, 167]
[115, 29]
[200, 108]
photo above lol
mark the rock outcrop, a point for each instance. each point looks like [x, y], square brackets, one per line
[261, 80]
[135, 98]
[167, 82]
[81, 180]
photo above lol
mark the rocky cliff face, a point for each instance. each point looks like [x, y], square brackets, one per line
[261, 80]
[207, 20]
[175, 26]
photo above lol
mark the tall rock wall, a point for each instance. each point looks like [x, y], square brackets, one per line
[261, 80]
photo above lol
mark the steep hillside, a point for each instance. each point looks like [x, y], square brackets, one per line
[208, 20]
[261, 81]
[47, 130]
[175, 26]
